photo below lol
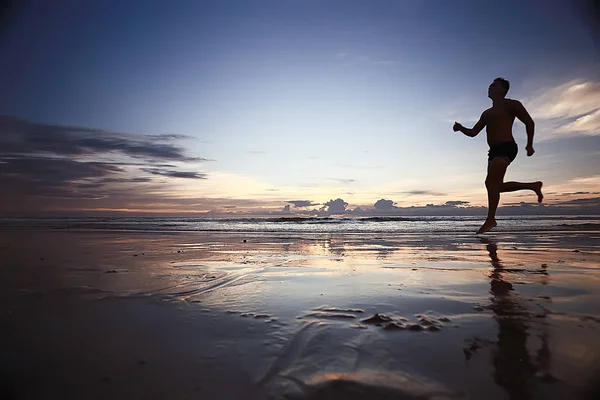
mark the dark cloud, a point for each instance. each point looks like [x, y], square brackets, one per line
[168, 137]
[54, 177]
[450, 204]
[592, 201]
[43, 161]
[527, 205]
[126, 180]
[93, 185]
[575, 193]
[454, 203]
[137, 164]
[335, 206]
[175, 174]
[54, 169]
[18, 136]
[102, 182]
[286, 209]
[302, 203]
[384, 205]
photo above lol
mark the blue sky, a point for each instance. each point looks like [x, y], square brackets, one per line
[306, 100]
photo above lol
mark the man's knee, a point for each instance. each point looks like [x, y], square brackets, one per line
[492, 183]
[496, 171]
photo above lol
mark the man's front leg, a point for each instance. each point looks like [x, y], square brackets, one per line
[490, 221]
[493, 182]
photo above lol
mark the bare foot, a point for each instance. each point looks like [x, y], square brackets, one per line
[487, 226]
[538, 191]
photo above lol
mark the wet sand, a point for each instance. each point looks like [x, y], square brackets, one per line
[95, 315]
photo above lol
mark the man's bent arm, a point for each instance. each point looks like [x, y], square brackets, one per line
[523, 115]
[467, 131]
[476, 129]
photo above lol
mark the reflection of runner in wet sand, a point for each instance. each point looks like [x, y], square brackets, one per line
[498, 121]
[513, 366]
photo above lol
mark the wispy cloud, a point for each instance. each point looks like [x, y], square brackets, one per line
[422, 193]
[344, 181]
[572, 99]
[588, 124]
[575, 188]
[570, 108]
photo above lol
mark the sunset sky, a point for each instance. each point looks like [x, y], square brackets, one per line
[249, 106]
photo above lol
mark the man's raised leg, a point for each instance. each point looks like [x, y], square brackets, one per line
[514, 186]
[493, 183]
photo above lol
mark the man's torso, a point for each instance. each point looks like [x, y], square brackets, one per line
[499, 121]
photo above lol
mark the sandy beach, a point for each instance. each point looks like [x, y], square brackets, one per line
[184, 315]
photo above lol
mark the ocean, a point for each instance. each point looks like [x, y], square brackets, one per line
[315, 225]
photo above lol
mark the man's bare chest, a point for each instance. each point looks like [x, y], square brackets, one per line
[498, 115]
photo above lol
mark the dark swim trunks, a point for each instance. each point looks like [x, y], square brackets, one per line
[506, 150]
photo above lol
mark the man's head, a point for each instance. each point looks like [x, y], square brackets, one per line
[498, 88]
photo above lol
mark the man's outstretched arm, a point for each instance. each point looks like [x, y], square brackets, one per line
[473, 131]
[523, 115]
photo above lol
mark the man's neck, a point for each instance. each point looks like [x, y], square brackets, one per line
[497, 102]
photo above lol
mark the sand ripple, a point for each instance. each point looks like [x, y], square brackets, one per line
[378, 385]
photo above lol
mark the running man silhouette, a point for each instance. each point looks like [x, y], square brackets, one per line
[498, 121]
